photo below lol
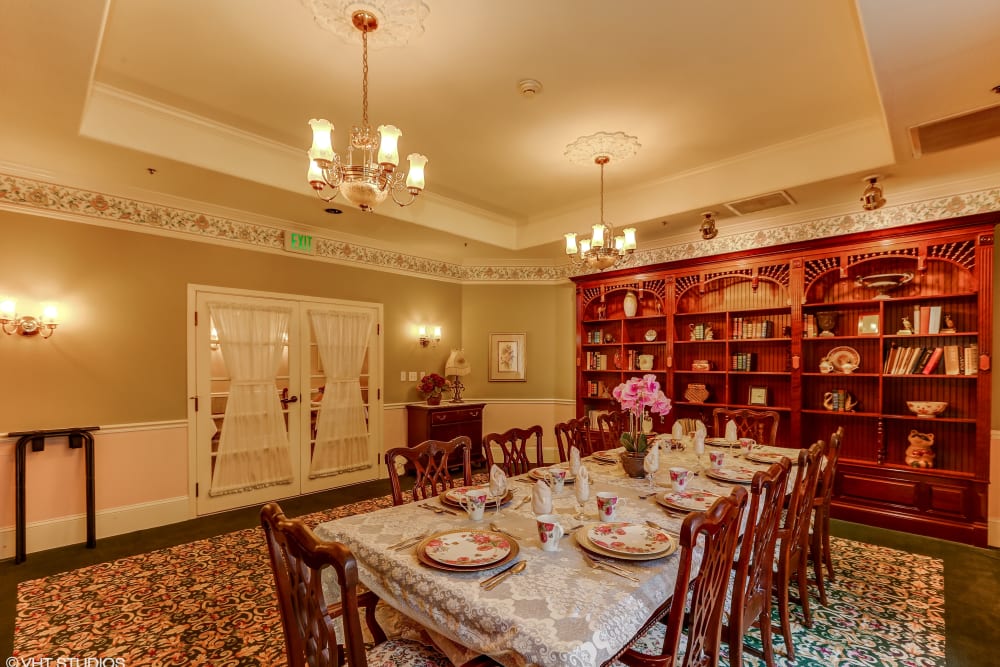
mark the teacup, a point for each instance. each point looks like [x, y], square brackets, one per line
[550, 531]
[747, 445]
[556, 478]
[607, 505]
[716, 458]
[679, 478]
[474, 503]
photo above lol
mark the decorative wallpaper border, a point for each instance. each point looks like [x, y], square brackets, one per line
[39, 197]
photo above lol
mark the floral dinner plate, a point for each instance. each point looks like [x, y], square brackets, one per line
[721, 442]
[738, 475]
[452, 496]
[764, 457]
[629, 538]
[539, 473]
[467, 548]
[687, 501]
[584, 542]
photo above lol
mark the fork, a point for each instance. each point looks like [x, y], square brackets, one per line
[438, 510]
[607, 567]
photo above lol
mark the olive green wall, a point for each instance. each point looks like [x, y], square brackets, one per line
[547, 317]
[120, 356]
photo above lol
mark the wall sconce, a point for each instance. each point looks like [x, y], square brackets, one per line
[27, 325]
[708, 230]
[426, 339]
[872, 198]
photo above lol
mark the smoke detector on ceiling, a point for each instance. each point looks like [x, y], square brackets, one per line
[529, 87]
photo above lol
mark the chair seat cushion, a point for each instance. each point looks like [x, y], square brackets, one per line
[405, 653]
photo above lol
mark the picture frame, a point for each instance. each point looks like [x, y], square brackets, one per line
[868, 325]
[507, 356]
[757, 395]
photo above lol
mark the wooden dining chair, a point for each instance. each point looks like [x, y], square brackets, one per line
[715, 532]
[429, 461]
[574, 433]
[819, 536]
[792, 551]
[513, 447]
[298, 560]
[611, 425]
[750, 595]
[761, 425]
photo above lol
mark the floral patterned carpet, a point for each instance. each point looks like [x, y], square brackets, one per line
[211, 602]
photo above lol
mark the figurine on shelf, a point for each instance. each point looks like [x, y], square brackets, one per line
[609, 337]
[839, 401]
[920, 453]
[949, 324]
[907, 328]
[658, 306]
[602, 311]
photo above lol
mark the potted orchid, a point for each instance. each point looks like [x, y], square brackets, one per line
[432, 386]
[641, 398]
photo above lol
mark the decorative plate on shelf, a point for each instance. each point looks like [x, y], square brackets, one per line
[650, 335]
[844, 357]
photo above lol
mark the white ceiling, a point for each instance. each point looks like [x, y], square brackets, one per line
[728, 100]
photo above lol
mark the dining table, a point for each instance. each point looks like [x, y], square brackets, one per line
[560, 609]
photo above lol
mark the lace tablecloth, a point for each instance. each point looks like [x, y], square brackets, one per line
[558, 611]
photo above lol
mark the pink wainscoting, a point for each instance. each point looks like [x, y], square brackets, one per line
[132, 466]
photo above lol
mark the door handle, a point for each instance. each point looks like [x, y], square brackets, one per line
[293, 399]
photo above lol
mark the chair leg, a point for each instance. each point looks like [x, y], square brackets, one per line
[767, 637]
[734, 638]
[816, 556]
[827, 554]
[804, 587]
[784, 614]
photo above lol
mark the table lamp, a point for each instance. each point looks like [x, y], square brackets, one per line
[457, 365]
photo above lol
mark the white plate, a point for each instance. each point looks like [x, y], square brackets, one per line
[467, 548]
[764, 457]
[650, 335]
[632, 539]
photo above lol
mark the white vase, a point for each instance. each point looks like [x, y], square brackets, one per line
[631, 304]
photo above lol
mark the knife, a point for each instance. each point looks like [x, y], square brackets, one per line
[496, 580]
[607, 567]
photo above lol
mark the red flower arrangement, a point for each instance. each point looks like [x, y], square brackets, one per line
[432, 385]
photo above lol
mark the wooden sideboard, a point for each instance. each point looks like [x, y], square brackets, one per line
[757, 328]
[445, 422]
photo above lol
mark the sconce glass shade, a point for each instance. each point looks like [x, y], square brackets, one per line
[415, 178]
[629, 233]
[8, 308]
[570, 243]
[28, 325]
[322, 145]
[388, 153]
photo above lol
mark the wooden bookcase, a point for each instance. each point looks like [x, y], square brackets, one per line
[746, 327]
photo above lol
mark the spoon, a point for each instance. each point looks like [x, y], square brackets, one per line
[503, 575]
[494, 526]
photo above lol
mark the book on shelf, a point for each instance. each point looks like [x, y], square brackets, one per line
[810, 326]
[920, 360]
[743, 361]
[923, 315]
[890, 358]
[932, 363]
[971, 358]
[952, 366]
[934, 323]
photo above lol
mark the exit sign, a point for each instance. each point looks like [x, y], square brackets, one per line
[302, 243]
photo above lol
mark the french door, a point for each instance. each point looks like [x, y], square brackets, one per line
[286, 395]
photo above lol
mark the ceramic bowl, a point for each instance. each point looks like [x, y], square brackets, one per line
[927, 409]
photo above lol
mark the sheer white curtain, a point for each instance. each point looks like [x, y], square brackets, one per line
[253, 448]
[342, 427]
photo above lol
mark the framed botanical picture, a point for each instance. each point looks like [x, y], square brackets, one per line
[758, 396]
[506, 357]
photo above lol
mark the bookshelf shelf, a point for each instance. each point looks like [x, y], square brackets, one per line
[762, 310]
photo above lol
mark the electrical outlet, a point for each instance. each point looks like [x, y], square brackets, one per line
[402, 376]
[413, 376]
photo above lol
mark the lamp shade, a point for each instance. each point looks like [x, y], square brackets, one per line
[457, 364]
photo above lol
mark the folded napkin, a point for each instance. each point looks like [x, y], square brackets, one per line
[699, 443]
[699, 427]
[731, 430]
[677, 431]
[498, 482]
[541, 498]
[574, 460]
[582, 488]
[652, 461]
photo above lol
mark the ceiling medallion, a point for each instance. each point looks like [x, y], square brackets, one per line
[616, 145]
[604, 248]
[399, 20]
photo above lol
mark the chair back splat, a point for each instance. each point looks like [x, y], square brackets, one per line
[429, 461]
[575, 433]
[717, 531]
[761, 425]
[513, 447]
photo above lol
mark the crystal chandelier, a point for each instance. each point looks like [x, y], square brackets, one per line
[603, 249]
[364, 183]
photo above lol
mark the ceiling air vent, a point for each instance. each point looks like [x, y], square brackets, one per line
[760, 203]
[955, 131]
